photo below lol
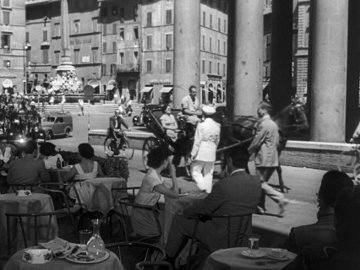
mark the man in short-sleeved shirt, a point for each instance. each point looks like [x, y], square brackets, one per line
[191, 107]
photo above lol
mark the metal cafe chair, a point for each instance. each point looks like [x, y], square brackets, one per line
[31, 226]
[238, 226]
[16, 187]
[131, 253]
[153, 266]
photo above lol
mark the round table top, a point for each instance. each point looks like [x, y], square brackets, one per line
[232, 259]
[33, 196]
[17, 263]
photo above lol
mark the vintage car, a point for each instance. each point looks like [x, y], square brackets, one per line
[57, 124]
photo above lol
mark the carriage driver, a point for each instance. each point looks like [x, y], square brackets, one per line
[190, 106]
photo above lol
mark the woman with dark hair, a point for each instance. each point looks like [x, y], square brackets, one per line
[86, 169]
[150, 191]
[49, 155]
[169, 123]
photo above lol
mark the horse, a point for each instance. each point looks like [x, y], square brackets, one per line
[291, 120]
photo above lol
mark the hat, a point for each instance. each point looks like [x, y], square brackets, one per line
[208, 110]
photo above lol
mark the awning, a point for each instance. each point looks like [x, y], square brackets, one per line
[265, 85]
[110, 87]
[44, 44]
[94, 84]
[166, 89]
[146, 89]
[7, 83]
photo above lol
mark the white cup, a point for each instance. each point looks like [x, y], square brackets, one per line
[37, 256]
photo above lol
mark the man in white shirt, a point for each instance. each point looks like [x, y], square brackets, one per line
[190, 106]
[203, 154]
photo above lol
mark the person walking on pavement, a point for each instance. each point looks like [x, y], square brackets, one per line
[203, 154]
[264, 151]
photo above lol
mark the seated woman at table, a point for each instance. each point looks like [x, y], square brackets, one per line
[49, 155]
[169, 123]
[150, 191]
[86, 169]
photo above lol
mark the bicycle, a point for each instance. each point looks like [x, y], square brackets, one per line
[118, 146]
[349, 161]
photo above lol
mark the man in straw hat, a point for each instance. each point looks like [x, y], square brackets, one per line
[203, 154]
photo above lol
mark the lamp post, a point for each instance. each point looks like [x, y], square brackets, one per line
[25, 77]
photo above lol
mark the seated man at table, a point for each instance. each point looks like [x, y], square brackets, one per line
[28, 169]
[237, 194]
[307, 239]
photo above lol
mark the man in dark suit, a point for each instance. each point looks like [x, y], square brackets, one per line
[237, 194]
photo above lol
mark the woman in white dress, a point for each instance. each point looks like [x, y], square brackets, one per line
[86, 169]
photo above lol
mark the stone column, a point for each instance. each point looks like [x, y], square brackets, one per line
[329, 23]
[65, 43]
[186, 48]
[245, 57]
[281, 54]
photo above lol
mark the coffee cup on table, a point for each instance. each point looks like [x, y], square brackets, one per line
[253, 241]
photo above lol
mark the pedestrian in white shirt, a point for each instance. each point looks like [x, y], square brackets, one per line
[203, 154]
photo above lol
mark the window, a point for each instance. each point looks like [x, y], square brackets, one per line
[94, 52]
[104, 29]
[103, 11]
[114, 10]
[5, 40]
[136, 56]
[45, 53]
[219, 24]
[94, 25]
[7, 63]
[203, 67]
[57, 57]
[148, 66]
[122, 15]
[114, 29]
[122, 35]
[56, 32]
[121, 58]
[224, 49]
[203, 42]
[210, 20]
[136, 12]
[45, 36]
[149, 19]
[6, 17]
[218, 68]
[77, 56]
[6, 3]
[103, 69]
[149, 42]
[210, 67]
[218, 46]
[112, 69]
[210, 44]
[168, 41]
[76, 27]
[136, 33]
[224, 70]
[104, 47]
[224, 26]
[204, 18]
[169, 16]
[27, 37]
[114, 46]
[168, 65]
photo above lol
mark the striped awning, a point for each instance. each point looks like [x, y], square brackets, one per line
[146, 89]
[166, 89]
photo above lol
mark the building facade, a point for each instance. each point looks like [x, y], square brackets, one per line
[13, 46]
[43, 38]
[157, 61]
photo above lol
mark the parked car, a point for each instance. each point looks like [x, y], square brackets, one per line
[57, 124]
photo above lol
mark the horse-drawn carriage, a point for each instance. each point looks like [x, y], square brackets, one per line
[240, 131]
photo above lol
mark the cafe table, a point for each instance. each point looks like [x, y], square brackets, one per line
[17, 263]
[233, 259]
[96, 193]
[34, 203]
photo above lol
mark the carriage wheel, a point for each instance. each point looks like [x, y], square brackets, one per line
[149, 144]
[127, 151]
